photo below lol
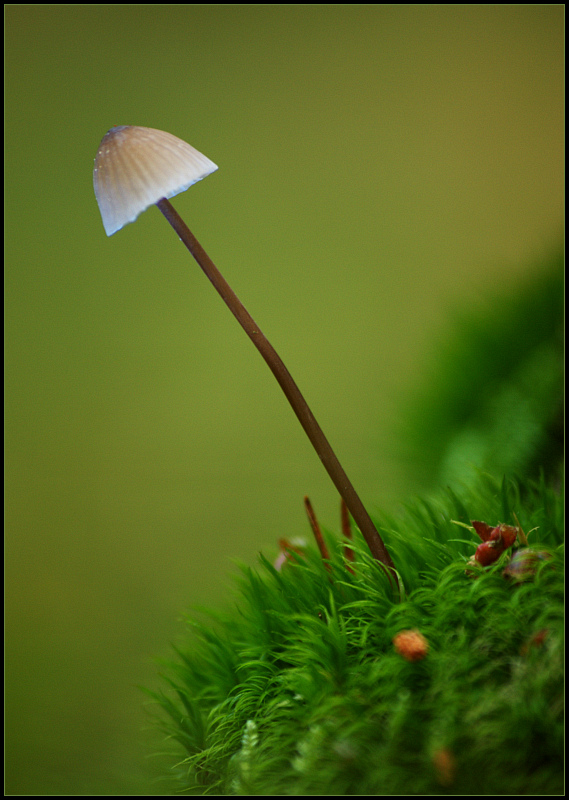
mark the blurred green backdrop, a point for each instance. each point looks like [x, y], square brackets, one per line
[379, 165]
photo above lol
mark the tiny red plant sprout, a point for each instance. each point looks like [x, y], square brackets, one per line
[287, 547]
[482, 529]
[411, 644]
[316, 530]
[504, 535]
[347, 532]
[495, 541]
[314, 524]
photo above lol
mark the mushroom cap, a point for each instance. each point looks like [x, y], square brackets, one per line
[136, 167]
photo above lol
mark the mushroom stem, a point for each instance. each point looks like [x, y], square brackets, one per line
[289, 387]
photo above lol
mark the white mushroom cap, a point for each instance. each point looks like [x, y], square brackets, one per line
[136, 167]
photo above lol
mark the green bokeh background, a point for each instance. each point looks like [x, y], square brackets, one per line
[379, 166]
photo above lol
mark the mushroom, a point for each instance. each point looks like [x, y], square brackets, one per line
[137, 167]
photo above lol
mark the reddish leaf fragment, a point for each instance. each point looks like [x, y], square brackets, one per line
[506, 534]
[495, 540]
[482, 529]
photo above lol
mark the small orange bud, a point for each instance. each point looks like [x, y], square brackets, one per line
[411, 644]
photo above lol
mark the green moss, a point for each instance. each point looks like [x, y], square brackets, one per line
[299, 689]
